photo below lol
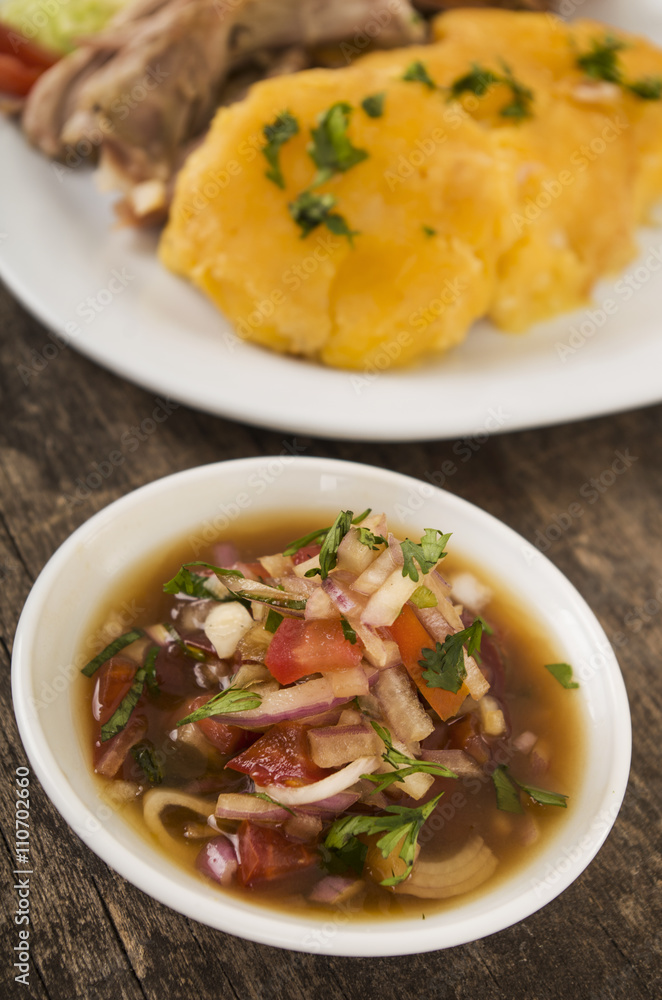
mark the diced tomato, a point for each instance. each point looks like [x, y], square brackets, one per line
[306, 553]
[114, 679]
[15, 77]
[302, 647]
[463, 735]
[412, 638]
[13, 43]
[266, 854]
[227, 739]
[280, 757]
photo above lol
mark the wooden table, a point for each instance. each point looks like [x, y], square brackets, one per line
[95, 936]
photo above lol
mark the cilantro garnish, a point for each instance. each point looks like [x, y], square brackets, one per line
[329, 552]
[404, 765]
[399, 826]
[417, 72]
[347, 630]
[479, 80]
[274, 618]
[427, 552]
[601, 63]
[563, 674]
[310, 210]
[429, 231]
[225, 703]
[351, 856]
[145, 757]
[283, 128]
[367, 538]
[444, 665]
[313, 537]
[194, 584]
[331, 149]
[112, 649]
[374, 104]
[507, 792]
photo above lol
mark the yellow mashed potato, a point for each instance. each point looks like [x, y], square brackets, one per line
[459, 211]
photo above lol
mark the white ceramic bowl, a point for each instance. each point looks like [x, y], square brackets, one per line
[77, 578]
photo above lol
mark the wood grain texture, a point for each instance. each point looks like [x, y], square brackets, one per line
[97, 937]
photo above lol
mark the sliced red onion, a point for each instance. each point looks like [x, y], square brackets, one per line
[400, 705]
[434, 622]
[382, 653]
[350, 683]
[334, 888]
[343, 600]
[297, 702]
[303, 828]
[239, 805]
[333, 805]
[386, 603]
[374, 576]
[118, 747]
[320, 605]
[353, 556]
[325, 788]
[458, 761]
[218, 860]
[332, 746]
[277, 565]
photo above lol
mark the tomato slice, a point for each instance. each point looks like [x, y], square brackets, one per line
[266, 854]
[227, 739]
[305, 553]
[13, 43]
[303, 647]
[280, 757]
[113, 682]
[412, 638]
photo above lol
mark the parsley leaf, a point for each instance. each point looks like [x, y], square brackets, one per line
[404, 765]
[507, 791]
[374, 104]
[351, 856]
[601, 61]
[114, 647]
[423, 598]
[371, 541]
[225, 703]
[194, 584]
[145, 757]
[427, 552]
[310, 210]
[283, 128]
[444, 665]
[648, 88]
[318, 535]
[397, 823]
[150, 670]
[477, 81]
[347, 630]
[187, 650]
[274, 618]
[429, 231]
[417, 72]
[522, 98]
[563, 673]
[329, 551]
[331, 148]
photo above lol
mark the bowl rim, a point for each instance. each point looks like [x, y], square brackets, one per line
[252, 921]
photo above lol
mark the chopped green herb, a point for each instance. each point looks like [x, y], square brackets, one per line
[274, 802]
[112, 649]
[477, 81]
[429, 231]
[194, 584]
[318, 536]
[405, 765]
[367, 538]
[427, 552]
[145, 757]
[487, 628]
[283, 128]
[150, 670]
[225, 703]
[444, 665]
[310, 210]
[563, 674]
[186, 648]
[423, 598]
[601, 63]
[331, 149]
[329, 552]
[374, 104]
[274, 618]
[522, 98]
[286, 603]
[350, 857]
[347, 630]
[417, 72]
[400, 826]
[507, 792]
[122, 713]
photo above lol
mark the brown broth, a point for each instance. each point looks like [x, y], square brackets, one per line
[535, 700]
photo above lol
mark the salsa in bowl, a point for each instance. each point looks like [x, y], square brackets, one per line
[351, 730]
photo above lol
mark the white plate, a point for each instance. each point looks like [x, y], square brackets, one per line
[76, 580]
[57, 249]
